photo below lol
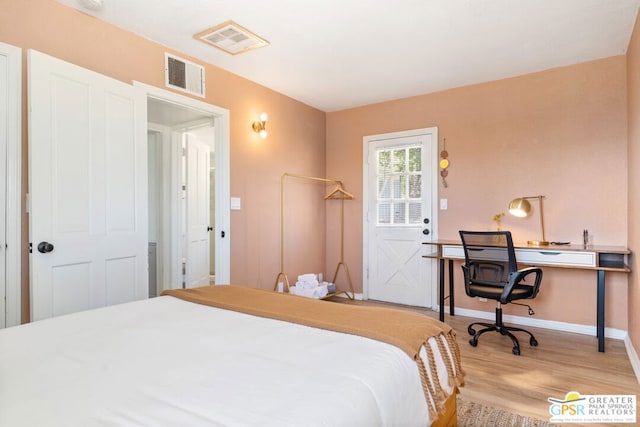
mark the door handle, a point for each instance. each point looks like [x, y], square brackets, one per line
[44, 247]
[209, 228]
[222, 233]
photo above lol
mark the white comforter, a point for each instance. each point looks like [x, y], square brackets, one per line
[167, 362]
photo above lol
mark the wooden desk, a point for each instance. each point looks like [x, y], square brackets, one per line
[598, 258]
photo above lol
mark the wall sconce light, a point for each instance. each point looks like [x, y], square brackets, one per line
[260, 127]
[521, 208]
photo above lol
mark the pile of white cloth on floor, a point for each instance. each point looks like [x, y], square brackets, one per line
[309, 286]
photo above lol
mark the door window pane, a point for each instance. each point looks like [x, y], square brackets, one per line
[399, 160]
[415, 186]
[384, 213]
[399, 210]
[384, 188]
[415, 212]
[384, 162]
[399, 186]
[415, 159]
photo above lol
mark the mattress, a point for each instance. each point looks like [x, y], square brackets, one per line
[169, 362]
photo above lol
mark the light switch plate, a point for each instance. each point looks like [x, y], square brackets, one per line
[235, 203]
[443, 204]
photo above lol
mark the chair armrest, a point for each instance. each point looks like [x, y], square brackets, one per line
[517, 277]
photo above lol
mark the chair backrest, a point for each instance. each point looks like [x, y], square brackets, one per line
[489, 256]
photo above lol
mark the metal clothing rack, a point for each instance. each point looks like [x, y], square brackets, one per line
[339, 193]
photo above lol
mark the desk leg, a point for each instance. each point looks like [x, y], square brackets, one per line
[600, 324]
[441, 287]
[451, 305]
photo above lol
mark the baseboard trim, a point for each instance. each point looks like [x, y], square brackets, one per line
[546, 324]
[355, 296]
[633, 357]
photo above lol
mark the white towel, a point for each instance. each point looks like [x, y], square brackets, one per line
[301, 292]
[312, 284]
[320, 292]
[317, 292]
[309, 277]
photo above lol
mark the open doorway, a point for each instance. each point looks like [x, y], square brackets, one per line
[181, 142]
[188, 192]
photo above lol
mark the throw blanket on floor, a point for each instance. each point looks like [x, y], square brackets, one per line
[406, 330]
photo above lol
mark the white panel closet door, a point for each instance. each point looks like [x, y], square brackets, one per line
[4, 129]
[10, 184]
[198, 213]
[88, 187]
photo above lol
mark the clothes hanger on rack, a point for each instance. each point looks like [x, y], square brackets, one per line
[339, 193]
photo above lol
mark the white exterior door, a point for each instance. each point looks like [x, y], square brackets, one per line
[88, 189]
[401, 189]
[197, 212]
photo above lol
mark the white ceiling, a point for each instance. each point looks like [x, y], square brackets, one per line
[337, 54]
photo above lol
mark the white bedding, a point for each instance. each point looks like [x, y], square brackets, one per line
[168, 362]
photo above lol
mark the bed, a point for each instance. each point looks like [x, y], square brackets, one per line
[229, 356]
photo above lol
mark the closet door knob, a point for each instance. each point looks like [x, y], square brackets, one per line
[209, 228]
[45, 247]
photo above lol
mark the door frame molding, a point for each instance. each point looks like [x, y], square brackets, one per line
[367, 140]
[222, 194]
[13, 248]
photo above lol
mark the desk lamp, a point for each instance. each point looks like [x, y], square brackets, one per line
[521, 208]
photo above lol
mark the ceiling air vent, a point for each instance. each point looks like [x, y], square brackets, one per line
[232, 38]
[184, 75]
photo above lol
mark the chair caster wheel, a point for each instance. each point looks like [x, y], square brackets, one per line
[533, 342]
[473, 342]
[471, 330]
[516, 351]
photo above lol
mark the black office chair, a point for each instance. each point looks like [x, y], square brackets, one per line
[491, 271]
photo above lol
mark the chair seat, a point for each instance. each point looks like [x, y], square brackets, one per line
[494, 292]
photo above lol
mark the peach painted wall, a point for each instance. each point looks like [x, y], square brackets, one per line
[633, 160]
[561, 133]
[295, 143]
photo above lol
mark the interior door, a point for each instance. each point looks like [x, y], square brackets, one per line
[4, 131]
[197, 212]
[88, 189]
[10, 184]
[400, 216]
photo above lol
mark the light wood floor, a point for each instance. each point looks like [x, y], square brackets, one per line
[562, 362]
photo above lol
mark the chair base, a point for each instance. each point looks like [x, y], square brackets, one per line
[499, 326]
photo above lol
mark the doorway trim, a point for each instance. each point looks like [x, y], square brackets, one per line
[13, 227]
[370, 216]
[222, 200]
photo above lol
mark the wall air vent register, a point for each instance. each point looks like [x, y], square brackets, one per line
[184, 75]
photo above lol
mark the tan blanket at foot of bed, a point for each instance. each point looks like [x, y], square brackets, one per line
[406, 330]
